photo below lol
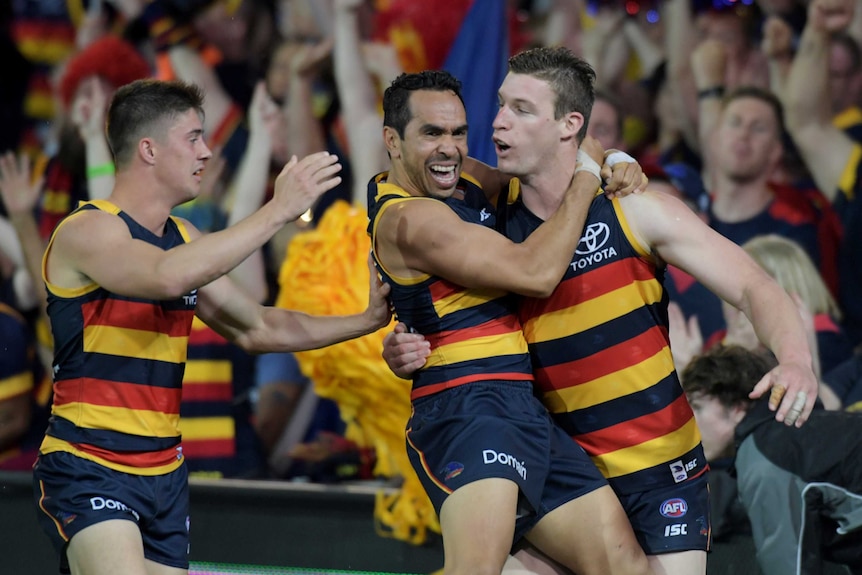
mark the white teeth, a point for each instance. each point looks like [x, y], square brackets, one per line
[443, 169]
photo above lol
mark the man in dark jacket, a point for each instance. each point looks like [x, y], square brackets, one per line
[801, 487]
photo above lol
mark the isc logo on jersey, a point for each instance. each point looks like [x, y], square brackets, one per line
[674, 508]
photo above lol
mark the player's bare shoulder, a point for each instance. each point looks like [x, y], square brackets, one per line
[78, 236]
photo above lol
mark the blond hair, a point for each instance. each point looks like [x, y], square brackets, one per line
[793, 269]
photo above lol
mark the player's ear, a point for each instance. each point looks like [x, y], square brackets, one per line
[392, 141]
[571, 124]
[146, 150]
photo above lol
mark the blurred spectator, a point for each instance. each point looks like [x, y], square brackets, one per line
[801, 488]
[832, 156]
[44, 34]
[23, 397]
[219, 439]
[303, 434]
[606, 121]
[13, 90]
[791, 267]
[83, 167]
[745, 149]
[358, 94]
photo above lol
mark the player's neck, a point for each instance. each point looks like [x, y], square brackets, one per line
[142, 200]
[544, 190]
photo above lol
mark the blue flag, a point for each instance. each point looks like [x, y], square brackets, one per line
[478, 58]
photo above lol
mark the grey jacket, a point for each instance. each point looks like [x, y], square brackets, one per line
[802, 489]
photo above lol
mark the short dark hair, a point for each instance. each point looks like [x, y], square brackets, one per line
[765, 96]
[396, 99]
[141, 106]
[726, 373]
[571, 78]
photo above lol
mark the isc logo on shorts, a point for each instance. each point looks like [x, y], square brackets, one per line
[674, 508]
[676, 529]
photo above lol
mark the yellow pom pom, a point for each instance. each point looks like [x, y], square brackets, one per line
[325, 272]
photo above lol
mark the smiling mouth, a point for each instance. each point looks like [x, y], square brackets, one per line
[446, 176]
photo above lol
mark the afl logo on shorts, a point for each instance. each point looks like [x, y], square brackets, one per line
[674, 508]
[451, 470]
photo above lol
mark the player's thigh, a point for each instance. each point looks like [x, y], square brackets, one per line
[478, 524]
[591, 535]
[679, 563]
[527, 560]
[107, 548]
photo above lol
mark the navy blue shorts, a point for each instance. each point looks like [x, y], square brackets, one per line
[497, 429]
[73, 493]
[671, 519]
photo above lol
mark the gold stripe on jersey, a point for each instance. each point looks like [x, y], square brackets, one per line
[462, 299]
[847, 118]
[601, 309]
[16, 385]
[208, 428]
[634, 378]
[207, 371]
[135, 343]
[142, 422]
[639, 247]
[477, 348]
[847, 182]
[644, 455]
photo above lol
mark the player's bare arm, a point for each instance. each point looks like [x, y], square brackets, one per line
[673, 233]
[258, 329]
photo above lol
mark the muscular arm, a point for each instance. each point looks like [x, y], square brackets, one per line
[94, 246]
[426, 236]
[678, 237]
[258, 329]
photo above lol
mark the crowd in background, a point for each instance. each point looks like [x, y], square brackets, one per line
[750, 111]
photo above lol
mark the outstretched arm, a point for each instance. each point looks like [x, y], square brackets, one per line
[86, 245]
[20, 195]
[358, 98]
[825, 149]
[425, 236]
[88, 116]
[248, 187]
[677, 236]
[777, 46]
[259, 329]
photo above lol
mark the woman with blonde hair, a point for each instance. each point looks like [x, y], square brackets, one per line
[792, 268]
